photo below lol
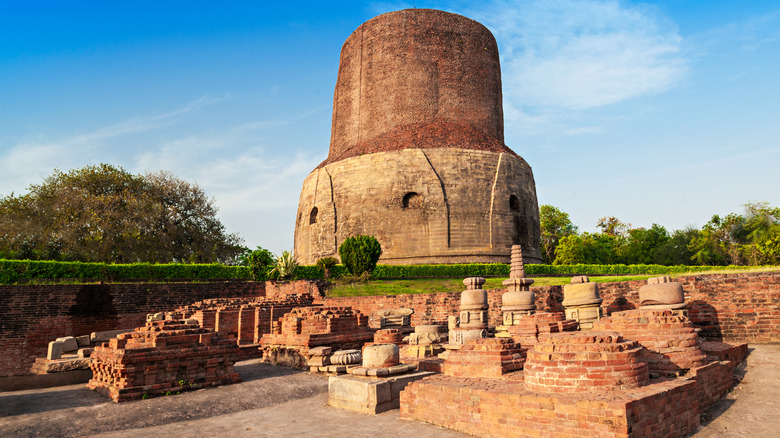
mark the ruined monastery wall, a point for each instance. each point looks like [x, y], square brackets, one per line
[730, 307]
[33, 315]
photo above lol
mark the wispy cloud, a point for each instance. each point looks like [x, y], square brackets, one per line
[571, 55]
[27, 161]
[750, 35]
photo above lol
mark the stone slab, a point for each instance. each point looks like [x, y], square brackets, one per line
[367, 394]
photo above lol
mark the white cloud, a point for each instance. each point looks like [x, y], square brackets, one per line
[571, 55]
[29, 161]
[255, 188]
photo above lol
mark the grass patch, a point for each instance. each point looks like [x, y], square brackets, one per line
[440, 285]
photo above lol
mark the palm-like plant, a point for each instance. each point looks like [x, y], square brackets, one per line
[285, 265]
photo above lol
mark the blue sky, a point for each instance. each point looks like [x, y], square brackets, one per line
[653, 112]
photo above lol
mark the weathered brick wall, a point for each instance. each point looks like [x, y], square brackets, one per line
[33, 315]
[731, 307]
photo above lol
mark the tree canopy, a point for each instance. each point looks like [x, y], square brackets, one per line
[104, 213]
[749, 239]
[555, 225]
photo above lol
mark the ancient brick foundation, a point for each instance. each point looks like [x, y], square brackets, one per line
[33, 315]
[670, 340]
[160, 358]
[527, 331]
[726, 307]
[486, 357]
[242, 320]
[501, 408]
[296, 332]
[584, 361]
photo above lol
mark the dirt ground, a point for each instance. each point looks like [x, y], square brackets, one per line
[277, 401]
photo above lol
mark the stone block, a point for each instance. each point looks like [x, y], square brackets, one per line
[83, 341]
[318, 361]
[320, 351]
[55, 350]
[69, 344]
[100, 337]
[369, 395]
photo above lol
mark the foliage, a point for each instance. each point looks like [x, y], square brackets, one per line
[587, 248]
[259, 261]
[360, 253]
[555, 225]
[326, 264]
[13, 271]
[612, 226]
[641, 245]
[675, 251]
[103, 213]
[285, 265]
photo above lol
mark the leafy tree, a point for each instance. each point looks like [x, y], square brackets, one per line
[360, 253]
[555, 225]
[103, 213]
[641, 245]
[612, 226]
[587, 248]
[258, 262]
[762, 229]
[717, 243]
[675, 250]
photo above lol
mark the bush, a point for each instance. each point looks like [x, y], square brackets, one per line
[326, 264]
[285, 265]
[259, 262]
[360, 254]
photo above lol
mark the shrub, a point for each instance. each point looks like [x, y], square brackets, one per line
[259, 261]
[360, 253]
[285, 265]
[326, 264]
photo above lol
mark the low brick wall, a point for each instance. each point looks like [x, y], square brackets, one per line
[732, 307]
[33, 315]
[501, 408]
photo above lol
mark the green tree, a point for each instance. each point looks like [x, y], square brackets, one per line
[589, 248]
[762, 230]
[612, 226]
[641, 245]
[675, 251]
[555, 225]
[717, 242]
[259, 261]
[360, 253]
[103, 213]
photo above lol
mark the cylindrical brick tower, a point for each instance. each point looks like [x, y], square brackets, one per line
[417, 156]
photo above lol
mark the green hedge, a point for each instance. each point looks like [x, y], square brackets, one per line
[13, 271]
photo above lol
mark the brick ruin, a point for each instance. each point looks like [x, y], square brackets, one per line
[302, 328]
[160, 358]
[637, 373]
[243, 320]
